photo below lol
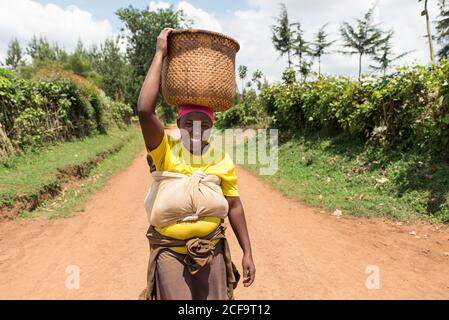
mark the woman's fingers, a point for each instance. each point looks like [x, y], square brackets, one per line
[249, 273]
[165, 32]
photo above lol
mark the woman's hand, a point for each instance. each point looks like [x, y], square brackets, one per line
[161, 44]
[249, 270]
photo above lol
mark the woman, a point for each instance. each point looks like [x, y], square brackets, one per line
[190, 256]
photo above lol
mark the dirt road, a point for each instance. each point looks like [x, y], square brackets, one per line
[300, 252]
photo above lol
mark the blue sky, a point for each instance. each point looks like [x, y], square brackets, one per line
[248, 21]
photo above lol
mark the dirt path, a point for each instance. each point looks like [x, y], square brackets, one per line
[299, 252]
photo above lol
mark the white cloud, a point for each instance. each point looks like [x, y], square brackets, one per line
[201, 19]
[252, 28]
[158, 5]
[22, 19]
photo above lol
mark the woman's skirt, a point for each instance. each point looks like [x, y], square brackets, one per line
[175, 282]
[206, 272]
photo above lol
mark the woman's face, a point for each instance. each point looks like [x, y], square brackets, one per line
[195, 130]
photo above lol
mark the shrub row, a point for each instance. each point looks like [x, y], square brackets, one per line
[55, 106]
[408, 108]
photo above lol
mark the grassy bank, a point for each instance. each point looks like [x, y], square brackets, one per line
[337, 173]
[40, 177]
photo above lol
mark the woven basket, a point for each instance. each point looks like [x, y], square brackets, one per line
[199, 69]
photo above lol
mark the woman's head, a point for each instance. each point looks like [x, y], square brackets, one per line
[195, 123]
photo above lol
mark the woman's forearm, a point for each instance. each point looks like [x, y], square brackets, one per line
[237, 219]
[150, 87]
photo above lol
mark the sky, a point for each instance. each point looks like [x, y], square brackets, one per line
[248, 21]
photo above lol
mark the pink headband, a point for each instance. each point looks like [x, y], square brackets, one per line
[188, 108]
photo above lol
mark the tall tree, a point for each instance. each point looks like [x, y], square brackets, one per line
[141, 28]
[320, 46]
[14, 55]
[443, 29]
[111, 64]
[304, 69]
[243, 70]
[425, 13]
[79, 61]
[41, 50]
[385, 57]
[283, 34]
[364, 39]
[301, 47]
[256, 78]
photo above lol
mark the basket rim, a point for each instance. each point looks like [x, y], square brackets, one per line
[204, 31]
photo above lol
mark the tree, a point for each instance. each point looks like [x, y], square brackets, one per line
[425, 13]
[111, 64]
[304, 69]
[41, 50]
[14, 55]
[385, 57]
[79, 62]
[289, 76]
[320, 46]
[243, 70]
[443, 29]
[301, 48]
[257, 76]
[282, 36]
[141, 28]
[365, 40]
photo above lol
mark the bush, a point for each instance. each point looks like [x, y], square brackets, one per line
[248, 112]
[56, 105]
[409, 108]
[121, 113]
[166, 113]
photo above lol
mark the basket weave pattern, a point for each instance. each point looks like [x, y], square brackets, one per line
[200, 69]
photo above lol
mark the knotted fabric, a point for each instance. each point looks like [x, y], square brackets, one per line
[176, 197]
[200, 251]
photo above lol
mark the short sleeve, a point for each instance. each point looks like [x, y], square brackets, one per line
[159, 153]
[229, 180]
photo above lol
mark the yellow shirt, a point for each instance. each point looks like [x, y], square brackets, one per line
[171, 155]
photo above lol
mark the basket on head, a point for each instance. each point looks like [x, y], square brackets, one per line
[199, 69]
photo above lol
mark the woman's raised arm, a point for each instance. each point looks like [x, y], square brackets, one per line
[152, 128]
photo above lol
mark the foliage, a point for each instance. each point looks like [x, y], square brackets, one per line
[364, 39]
[283, 34]
[112, 66]
[242, 71]
[320, 45]
[121, 113]
[244, 114]
[14, 55]
[166, 113]
[142, 29]
[384, 56]
[56, 105]
[443, 29]
[407, 109]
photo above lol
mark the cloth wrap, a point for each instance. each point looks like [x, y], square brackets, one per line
[200, 252]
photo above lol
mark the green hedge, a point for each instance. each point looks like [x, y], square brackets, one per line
[56, 106]
[244, 114]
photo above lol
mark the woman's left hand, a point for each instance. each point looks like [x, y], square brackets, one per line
[249, 270]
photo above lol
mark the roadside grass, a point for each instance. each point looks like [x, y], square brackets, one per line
[340, 173]
[30, 173]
